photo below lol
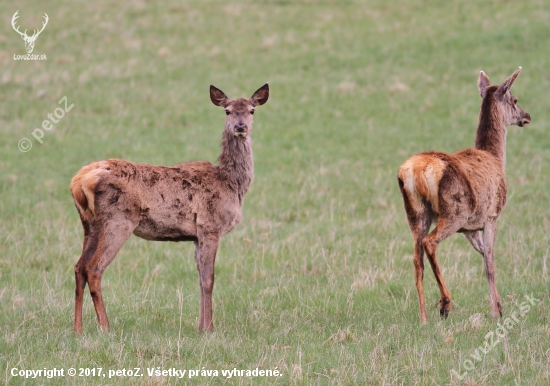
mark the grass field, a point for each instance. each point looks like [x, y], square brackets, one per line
[317, 281]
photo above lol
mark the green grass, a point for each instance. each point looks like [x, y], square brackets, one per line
[317, 281]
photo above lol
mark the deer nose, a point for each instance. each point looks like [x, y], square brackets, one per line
[526, 119]
[240, 127]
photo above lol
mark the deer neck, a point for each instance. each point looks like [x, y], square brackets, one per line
[491, 132]
[236, 163]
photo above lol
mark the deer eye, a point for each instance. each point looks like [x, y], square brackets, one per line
[252, 112]
[227, 112]
[515, 101]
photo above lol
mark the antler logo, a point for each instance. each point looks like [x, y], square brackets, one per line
[29, 40]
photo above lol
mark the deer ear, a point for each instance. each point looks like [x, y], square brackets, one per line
[482, 83]
[218, 97]
[507, 85]
[260, 96]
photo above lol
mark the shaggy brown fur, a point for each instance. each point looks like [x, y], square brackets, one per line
[462, 192]
[193, 201]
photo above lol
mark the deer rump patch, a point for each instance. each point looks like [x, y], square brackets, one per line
[421, 175]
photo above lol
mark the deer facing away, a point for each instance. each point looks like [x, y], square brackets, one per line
[463, 192]
[193, 201]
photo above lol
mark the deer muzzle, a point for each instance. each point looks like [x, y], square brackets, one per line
[240, 129]
[525, 120]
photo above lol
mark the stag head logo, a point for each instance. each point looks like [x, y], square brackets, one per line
[29, 40]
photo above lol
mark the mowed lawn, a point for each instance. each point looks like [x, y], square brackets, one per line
[317, 281]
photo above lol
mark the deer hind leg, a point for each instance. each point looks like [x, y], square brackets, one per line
[476, 239]
[88, 249]
[444, 229]
[420, 226]
[206, 258]
[419, 221]
[110, 238]
[489, 233]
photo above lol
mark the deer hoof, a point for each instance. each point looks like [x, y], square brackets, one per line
[445, 307]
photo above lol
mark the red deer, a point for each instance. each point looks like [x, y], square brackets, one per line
[463, 192]
[192, 201]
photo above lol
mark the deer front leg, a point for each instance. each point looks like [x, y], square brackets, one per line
[489, 233]
[207, 247]
[197, 261]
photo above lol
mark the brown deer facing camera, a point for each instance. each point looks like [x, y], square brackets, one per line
[192, 201]
[463, 192]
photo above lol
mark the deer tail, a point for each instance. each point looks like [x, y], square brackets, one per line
[83, 187]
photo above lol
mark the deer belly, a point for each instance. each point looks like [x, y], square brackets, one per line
[149, 229]
[475, 222]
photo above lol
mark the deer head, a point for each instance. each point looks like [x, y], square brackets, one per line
[29, 40]
[239, 111]
[508, 103]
